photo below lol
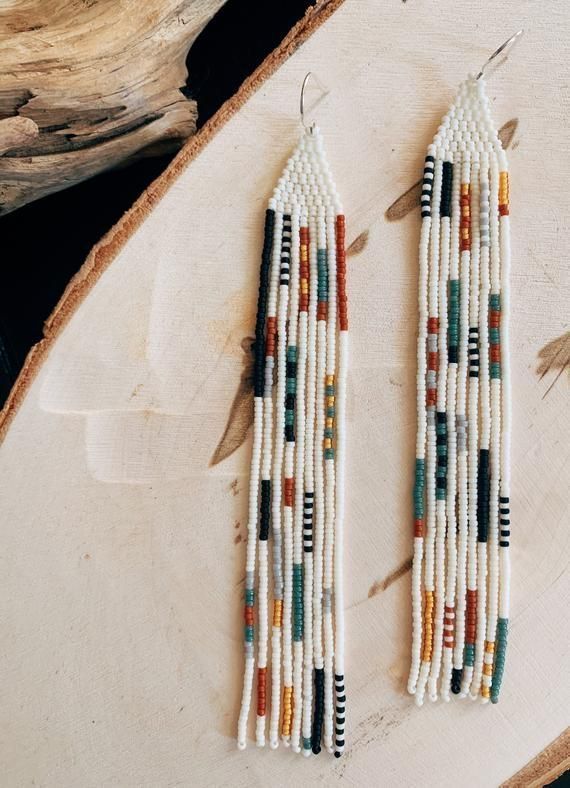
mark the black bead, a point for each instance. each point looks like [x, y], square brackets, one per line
[446, 180]
[456, 675]
[265, 510]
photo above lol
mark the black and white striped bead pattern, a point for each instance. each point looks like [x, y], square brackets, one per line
[505, 521]
[308, 522]
[427, 186]
[285, 251]
[474, 352]
[340, 709]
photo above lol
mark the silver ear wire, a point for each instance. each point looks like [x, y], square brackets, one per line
[507, 44]
[308, 76]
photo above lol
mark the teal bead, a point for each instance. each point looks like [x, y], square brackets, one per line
[494, 336]
[469, 655]
[494, 370]
[329, 454]
[249, 633]
[322, 275]
[495, 302]
[249, 597]
[500, 658]
[453, 313]
[419, 485]
[297, 602]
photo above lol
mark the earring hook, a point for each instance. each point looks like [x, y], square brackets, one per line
[308, 76]
[508, 43]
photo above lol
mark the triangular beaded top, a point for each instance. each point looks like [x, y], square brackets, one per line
[461, 570]
[297, 470]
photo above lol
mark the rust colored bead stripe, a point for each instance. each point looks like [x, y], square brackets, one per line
[261, 691]
[433, 325]
[449, 627]
[341, 273]
[271, 336]
[289, 491]
[471, 617]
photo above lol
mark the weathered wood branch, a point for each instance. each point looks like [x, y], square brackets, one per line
[88, 84]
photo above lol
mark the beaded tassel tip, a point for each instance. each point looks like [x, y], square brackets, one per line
[296, 493]
[461, 569]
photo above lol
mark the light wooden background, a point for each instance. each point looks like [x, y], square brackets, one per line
[122, 549]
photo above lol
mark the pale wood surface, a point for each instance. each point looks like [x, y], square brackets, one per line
[88, 84]
[123, 549]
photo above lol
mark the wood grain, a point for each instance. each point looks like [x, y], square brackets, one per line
[358, 245]
[108, 454]
[240, 418]
[92, 83]
[554, 356]
[382, 585]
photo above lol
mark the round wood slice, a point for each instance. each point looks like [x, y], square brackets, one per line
[125, 458]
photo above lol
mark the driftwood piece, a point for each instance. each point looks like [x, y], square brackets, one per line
[124, 488]
[87, 84]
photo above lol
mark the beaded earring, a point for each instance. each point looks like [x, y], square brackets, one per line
[461, 566]
[296, 491]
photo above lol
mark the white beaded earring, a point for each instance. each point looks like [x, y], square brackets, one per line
[296, 492]
[461, 567]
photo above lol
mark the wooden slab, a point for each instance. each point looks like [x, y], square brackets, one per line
[123, 546]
